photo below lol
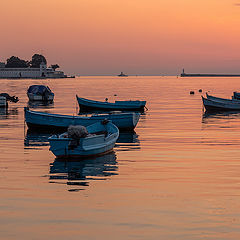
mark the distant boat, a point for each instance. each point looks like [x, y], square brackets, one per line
[97, 139]
[87, 105]
[40, 120]
[122, 75]
[40, 93]
[219, 104]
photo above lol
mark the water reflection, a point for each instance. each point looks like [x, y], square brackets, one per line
[40, 104]
[127, 141]
[36, 139]
[78, 173]
[211, 116]
[5, 113]
[221, 120]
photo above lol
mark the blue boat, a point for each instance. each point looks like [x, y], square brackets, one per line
[96, 139]
[219, 104]
[41, 120]
[40, 93]
[87, 105]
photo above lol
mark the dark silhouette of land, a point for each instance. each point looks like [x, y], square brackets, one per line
[183, 74]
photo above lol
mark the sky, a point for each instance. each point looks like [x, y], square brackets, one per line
[138, 37]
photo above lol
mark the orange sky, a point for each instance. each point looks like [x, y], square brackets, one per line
[104, 37]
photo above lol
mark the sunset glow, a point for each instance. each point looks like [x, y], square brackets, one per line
[153, 37]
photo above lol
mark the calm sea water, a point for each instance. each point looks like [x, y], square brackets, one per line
[176, 177]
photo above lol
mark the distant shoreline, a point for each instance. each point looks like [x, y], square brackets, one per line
[208, 75]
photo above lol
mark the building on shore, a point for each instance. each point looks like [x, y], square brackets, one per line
[42, 72]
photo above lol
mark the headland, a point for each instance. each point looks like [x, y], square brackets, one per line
[36, 68]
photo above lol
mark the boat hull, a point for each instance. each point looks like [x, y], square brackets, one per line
[216, 106]
[87, 105]
[92, 145]
[40, 120]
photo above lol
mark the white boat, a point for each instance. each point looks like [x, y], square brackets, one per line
[40, 93]
[96, 139]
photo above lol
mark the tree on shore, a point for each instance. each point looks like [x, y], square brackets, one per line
[54, 66]
[37, 59]
[16, 62]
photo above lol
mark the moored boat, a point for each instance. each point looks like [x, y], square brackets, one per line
[5, 98]
[87, 105]
[235, 98]
[42, 120]
[96, 139]
[40, 93]
[220, 105]
[218, 99]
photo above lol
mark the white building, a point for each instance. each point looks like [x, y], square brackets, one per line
[42, 72]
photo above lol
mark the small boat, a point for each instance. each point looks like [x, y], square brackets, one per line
[40, 93]
[5, 98]
[122, 75]
[87, 105]
[42, 120]
[220, 105]
[96, 139]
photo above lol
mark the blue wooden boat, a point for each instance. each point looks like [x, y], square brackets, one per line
[235, 98]
[40, 93]
[87, 105]
[40, 120]
[96, 139]
[215, 105]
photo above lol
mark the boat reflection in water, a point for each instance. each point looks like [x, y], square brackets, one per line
[127, 141]
[77, 173]
[40, 104]
[6, 113]
[210, 117]
[36, 139]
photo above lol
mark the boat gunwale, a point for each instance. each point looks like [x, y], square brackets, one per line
[118, 115]
[134, 103]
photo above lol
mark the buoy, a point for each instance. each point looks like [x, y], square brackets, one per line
[192, 92]
[200, 90]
